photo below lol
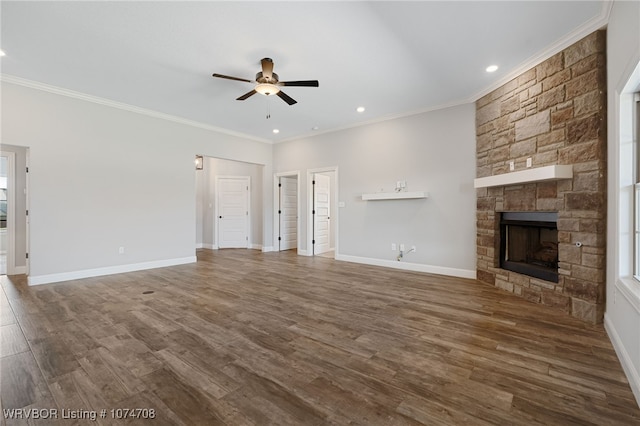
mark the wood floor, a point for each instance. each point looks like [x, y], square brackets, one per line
[244, 337]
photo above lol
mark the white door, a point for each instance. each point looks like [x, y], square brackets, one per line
[321, 223]
[288, 212]
[233, 212]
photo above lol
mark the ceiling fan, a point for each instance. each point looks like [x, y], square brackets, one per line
[267, 83]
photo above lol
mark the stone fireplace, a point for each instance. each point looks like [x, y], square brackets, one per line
[552, 114]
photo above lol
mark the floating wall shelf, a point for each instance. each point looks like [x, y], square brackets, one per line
[538, 174]
[379, 196]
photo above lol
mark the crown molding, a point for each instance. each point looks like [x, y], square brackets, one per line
[574, 36]
[120, 105]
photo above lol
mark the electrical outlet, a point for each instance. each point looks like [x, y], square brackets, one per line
[512, 166]
[403, 184]
[529, 162]
[401, 247]
[394, 247]
[121, 250]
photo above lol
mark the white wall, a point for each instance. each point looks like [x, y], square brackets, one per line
[622, 316]
[433, 152]
[103, 178]
[207, 198]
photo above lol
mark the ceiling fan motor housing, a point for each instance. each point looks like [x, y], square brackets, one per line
[261, 79]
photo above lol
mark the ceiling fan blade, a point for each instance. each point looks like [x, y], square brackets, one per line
[246, 95]
[231, 78]
[288, 99]
[267, 68]
[303, 83]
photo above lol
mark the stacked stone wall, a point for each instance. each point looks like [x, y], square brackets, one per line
[554, 113]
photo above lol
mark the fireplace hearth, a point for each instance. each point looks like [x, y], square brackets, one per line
[529, 244]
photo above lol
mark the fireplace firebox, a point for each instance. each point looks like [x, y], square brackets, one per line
[529, 244]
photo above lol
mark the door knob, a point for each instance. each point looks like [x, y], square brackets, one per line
[220, 217]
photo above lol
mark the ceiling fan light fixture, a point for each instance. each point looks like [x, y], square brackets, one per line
[267, 89]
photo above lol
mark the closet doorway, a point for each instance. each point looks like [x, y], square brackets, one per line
[287, 208]
[323, 221]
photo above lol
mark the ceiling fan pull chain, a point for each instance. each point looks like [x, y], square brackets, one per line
[268, 109]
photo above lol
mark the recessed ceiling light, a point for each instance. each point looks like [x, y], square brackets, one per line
[360, 109]
[492, 68]
[276, 131]
[2, 53]
[315, 128]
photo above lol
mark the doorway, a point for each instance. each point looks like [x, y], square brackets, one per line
[207, 206]
[232, 211]
[287, 207]
[323, 221]
[7, 212]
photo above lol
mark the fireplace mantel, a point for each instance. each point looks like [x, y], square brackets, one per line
[538, 174]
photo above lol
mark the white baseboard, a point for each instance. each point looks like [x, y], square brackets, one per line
[302, 252]
[208, 246]
[267, 249]
[109, 270]
[255, 246]
[625, 359]
[416, 267]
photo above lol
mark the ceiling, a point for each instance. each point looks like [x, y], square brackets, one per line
[394, 58]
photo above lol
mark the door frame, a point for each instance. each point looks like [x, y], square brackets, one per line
[334, 199]
[276, 203]
[28, 212]
[216, 238]
[11, 211]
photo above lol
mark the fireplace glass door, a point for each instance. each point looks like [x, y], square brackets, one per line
[529, 244]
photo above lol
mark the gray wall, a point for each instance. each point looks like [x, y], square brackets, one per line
[206, 198]
[103, 178]
[20, 202]
[622, 314]
[433, 152]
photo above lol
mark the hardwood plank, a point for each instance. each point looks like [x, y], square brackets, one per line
[215, 384]
[133, 353]
[12, 340]
[271, 402]
[6, 313]
[244, 337]
[185, 401]
[54, 356]
[77, 391]
[22, 383]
